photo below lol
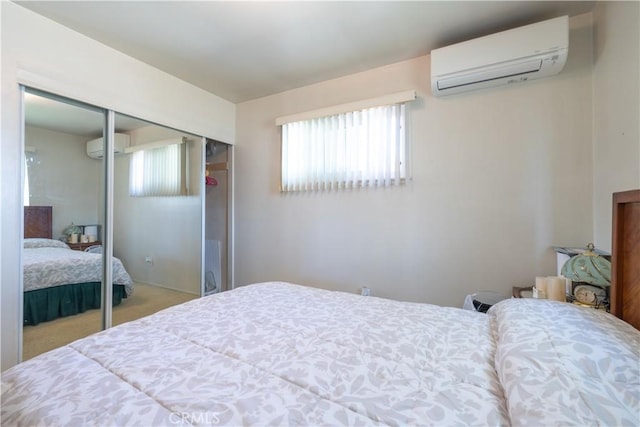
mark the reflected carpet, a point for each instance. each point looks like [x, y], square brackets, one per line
[145, 300]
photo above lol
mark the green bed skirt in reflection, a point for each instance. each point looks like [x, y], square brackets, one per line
[42, 305]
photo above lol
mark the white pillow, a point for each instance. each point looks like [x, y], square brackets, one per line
[44, 243]
[562, 364]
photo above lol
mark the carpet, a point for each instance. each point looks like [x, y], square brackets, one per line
[145, 300]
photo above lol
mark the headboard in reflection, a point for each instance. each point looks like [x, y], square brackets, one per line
[38, 222]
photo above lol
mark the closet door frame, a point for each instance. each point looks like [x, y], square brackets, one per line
[106, 306]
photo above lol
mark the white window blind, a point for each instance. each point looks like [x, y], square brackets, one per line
[159, 171]
[364, 148]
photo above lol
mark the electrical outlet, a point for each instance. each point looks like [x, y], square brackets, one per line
[148, 260]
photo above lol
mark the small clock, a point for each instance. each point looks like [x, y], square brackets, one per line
[587, 294]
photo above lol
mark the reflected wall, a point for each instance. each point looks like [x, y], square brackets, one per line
[160, 237]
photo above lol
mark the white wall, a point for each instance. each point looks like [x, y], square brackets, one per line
[43, 54]
[168, 229]
[616, 110]
[64, 177]
[499, 176]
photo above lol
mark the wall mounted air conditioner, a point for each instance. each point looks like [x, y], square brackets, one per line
[525, 53]
[95, 147]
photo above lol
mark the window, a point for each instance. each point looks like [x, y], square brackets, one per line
[159, 171]
[29, 159]
[359, 148]
[26, 193]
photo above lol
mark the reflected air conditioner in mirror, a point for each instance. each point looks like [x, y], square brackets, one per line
[513, 56]
[95, 147]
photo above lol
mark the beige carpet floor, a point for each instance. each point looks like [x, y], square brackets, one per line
[145, 300]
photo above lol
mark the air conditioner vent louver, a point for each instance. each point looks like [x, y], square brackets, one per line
[510, 70]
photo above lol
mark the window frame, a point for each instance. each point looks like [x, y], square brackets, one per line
[158, 153]
[335, 177]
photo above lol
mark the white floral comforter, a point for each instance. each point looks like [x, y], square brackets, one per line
[48, 266]
[282, 354]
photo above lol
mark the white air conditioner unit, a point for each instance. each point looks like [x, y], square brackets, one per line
[95, 147]
[525, 53]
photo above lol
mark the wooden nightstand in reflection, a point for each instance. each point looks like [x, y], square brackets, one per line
[526, 292]
[82, 246]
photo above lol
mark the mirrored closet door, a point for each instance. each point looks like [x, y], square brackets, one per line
[157, 215]
[63, 191]
[157, 211]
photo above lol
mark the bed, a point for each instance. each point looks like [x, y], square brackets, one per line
[285, 354]
[58, 281]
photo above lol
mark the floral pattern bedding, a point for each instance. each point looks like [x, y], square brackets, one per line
[283, 354]
[50, 263]
[561, 364]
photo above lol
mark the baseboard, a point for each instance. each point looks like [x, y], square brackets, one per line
[164, 286]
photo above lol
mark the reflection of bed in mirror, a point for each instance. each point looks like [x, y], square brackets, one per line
[58, 281]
